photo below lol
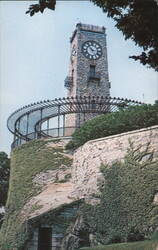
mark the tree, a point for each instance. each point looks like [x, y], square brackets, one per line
[4, 182]
[4, 177]
[41, 6]
[136, 19]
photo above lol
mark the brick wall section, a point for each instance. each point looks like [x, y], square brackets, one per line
[88, 158]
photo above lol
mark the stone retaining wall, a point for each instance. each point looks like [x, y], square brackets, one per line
[87, 159]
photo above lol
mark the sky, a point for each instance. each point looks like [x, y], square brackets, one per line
[35, 54]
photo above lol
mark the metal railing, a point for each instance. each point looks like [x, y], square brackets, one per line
[46, 133]
[27, 123]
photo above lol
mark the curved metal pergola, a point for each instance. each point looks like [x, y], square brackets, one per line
[27, 122]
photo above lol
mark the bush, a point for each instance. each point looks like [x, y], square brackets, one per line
[71, 145]
[115, 237]
[155, 236]
[118, 122]
[135, 235]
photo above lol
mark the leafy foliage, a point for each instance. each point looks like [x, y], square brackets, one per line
[1, 218]
[115, 123]
[41, 6]
[4, 177]
[126, 211]
[27, 161]
[155, 236]
[137, 20]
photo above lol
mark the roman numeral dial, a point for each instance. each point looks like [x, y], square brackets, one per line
[92, 50]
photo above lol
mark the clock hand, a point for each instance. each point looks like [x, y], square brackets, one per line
[92, 49]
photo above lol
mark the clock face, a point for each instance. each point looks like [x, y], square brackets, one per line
[92, 50]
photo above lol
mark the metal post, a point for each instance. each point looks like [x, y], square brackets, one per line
[39, 135]
[84, 117]
[47, 126]
[58, 119]
[27, 125]
[35, 135]
[64, 125]
[41, 118]
[18, 131]
[14, 132]
[14, 137]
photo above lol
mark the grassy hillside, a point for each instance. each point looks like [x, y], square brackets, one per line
[26, 162]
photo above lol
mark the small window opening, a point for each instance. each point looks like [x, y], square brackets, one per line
[45, 238]
[72, 74]
[92, 71]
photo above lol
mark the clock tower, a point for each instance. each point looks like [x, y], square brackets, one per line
[88, 70]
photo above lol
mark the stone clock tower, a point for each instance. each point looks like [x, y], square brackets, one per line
[88, 70]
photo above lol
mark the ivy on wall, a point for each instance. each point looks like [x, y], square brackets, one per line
[126, 211]
[27, 161]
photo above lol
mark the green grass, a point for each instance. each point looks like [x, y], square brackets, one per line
[141, 245]
[26, 162]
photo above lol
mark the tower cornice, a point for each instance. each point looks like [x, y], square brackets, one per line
[88, 28]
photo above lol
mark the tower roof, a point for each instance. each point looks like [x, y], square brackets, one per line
[90, 27]
[87, 27]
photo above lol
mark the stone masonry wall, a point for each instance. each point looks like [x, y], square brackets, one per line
[87, 159]
[80, 66]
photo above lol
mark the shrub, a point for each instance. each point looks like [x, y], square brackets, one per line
[118, 122]
[115, 237]
[135, 235]
[155, 236]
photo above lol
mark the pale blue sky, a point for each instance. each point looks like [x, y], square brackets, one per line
[35, 56]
